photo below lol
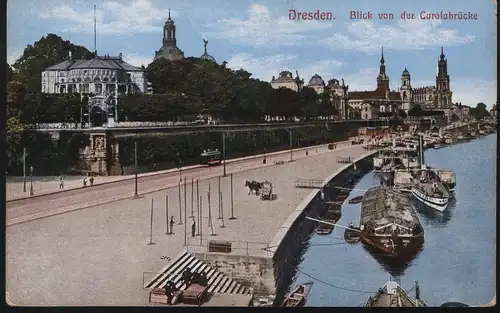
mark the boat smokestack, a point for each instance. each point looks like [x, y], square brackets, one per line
[421, 150]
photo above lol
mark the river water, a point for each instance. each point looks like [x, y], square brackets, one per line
[458, 261]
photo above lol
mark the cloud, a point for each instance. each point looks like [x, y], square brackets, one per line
[13, 54]
[261, 29]
[114, 18]
[264, 68]
[366, 36]
[137, 60]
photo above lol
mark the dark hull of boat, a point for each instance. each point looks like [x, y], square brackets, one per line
[402, 245]
[356, 200]
[298, 292]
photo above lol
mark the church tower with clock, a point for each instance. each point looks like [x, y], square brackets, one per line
[169, 49]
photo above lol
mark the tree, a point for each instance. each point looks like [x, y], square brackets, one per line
[309, 102]
[326, 100]
[416, 111]
[10, 73]
[480, 111]
[48, 51]
[402, 114]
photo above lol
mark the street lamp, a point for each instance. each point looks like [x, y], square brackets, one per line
[135, 168]
[291, 146]
[31, 180]
[180, 165]
[224, 152]
[24, 169]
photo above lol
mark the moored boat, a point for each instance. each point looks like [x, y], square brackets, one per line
[393, 295]
[298, 296]
[428, 189]
[389, 223]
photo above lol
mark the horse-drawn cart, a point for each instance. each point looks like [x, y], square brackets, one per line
[267, 191]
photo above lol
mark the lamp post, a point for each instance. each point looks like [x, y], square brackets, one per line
[135, 168]
[31, 180]
[224, 152]
[24, 169]
[180, 165]
[291, 147]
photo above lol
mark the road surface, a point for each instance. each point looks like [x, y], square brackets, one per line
[26, 209]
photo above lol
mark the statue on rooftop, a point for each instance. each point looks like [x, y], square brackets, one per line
[206, 43]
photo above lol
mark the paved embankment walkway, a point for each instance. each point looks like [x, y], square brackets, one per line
[99, 255]
[50, 184]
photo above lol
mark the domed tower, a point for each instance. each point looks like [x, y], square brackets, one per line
[317, 83]
[206, 56]
[406, 90]
[169, 49]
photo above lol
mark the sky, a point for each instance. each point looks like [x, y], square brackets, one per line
[261, 38]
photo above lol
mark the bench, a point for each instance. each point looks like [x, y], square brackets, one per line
[219, 246]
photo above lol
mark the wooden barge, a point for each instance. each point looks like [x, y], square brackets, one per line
[331, 216]
[389, 223]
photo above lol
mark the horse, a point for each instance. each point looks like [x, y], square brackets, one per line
[253, 186]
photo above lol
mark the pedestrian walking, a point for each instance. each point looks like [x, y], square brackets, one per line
[154, 167]
[171, 224]
[91, 181]
[61, 182]
[85, 182]
[193, 228]
[307, 153]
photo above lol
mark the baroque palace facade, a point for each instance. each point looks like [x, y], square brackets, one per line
[370, 104]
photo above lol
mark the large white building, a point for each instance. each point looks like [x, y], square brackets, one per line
[104, 77]
[101, 75]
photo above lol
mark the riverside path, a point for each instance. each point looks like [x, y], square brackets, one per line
[100, 255]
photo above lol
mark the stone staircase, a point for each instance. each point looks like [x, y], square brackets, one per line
[218, 283]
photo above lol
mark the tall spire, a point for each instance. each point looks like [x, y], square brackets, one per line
[442, 53]
[168, 13]
[382, 61]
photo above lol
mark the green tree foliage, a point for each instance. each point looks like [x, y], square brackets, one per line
[49, 50]
[217, 90]
[10, 73]
[480, 111]
[416, 111]
[51, 108]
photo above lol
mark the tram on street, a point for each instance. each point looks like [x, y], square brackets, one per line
[211, 157]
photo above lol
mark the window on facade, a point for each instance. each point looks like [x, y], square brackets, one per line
[404, 95]
[366, 108]
[84, 71]
[404, 82]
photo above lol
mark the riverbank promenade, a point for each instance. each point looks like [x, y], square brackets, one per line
[103, 254]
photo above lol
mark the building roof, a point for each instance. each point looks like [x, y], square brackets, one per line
[316, 80]
[284, 77]
[334, 82]
[100, 62]
[206, 56]
[394, 95]
[362, 95]
[405, 73]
